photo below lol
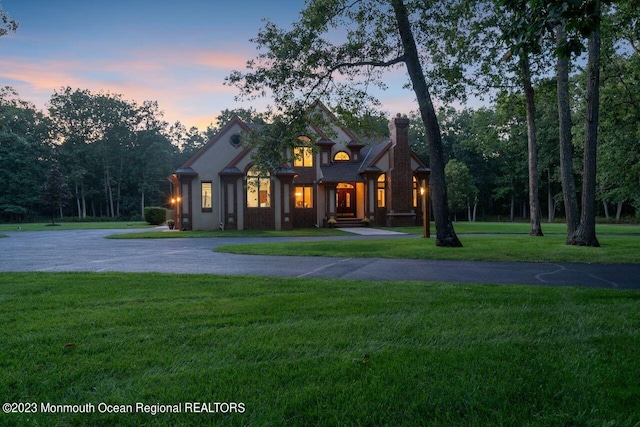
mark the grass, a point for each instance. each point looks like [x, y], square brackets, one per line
[523, 228]
[44, 226]
[318, 352]
[614, 249]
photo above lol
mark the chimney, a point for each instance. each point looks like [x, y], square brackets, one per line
[400, 210]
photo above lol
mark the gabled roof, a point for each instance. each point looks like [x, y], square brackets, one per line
[334, 118]
[234, 121]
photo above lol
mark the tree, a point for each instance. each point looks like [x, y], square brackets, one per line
[585, 235]
[618, 174]
[460, 188]
[564, 126]
[25, 149]
[304, 64]
[55, 191]
[521, 28]
[8, 24]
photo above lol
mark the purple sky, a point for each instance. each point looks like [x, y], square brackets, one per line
[174, 52]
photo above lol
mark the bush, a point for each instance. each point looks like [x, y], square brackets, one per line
[155, 215]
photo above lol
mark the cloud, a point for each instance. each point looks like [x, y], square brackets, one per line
[187, 83]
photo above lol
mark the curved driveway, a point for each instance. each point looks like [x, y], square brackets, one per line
[88, 250]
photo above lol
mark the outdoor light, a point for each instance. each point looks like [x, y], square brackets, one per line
[426, 232]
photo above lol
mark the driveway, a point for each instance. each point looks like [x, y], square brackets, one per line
[88, 250]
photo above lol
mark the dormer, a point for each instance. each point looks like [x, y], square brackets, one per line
[325, 151]
[355, 148]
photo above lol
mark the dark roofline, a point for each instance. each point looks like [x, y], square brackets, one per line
[235, 120]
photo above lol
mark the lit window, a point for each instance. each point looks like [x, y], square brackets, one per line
[205, 191]
[258, 189]
[381, 191]
[303, 155]
[341, 156]
[415, 192]
[304, 197]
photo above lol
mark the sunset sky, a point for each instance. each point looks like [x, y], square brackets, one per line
[174, 52]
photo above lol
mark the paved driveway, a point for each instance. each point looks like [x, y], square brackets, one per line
[88, 250]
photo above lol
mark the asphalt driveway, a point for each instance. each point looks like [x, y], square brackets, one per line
[88, 250]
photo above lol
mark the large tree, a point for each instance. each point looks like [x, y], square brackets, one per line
[306, 63]
[585, 234]
[25, 149]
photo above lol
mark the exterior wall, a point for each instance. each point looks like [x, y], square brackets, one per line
[225, 166]
[208, 166]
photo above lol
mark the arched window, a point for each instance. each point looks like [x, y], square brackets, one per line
[258, 189]
[415, 192]
[341, 156]
[381, 195]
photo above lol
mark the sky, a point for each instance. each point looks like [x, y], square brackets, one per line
[175, 52]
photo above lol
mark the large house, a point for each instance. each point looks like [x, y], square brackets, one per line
[343, 178]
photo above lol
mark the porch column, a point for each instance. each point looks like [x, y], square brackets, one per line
[286, 198]
[330, 191]
[229, 211]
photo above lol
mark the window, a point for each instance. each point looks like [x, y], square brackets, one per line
[415, 192]
[258, 189]
[381, 191]
[304, 197]
[207, 195]
[303, 155]
[341, 156]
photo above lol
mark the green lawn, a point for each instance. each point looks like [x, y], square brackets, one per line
[318, 352]
[614, 249]
[523, 228]
[44, 226]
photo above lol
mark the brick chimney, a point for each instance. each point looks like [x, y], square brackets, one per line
[400, 210]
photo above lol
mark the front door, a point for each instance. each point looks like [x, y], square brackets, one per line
[346, 200]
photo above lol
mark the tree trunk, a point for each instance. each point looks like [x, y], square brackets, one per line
[78, 202]
[142, 205]
[566, 146]
[84, 201]
[445, 234]
[619, 211]
[551, 204]
[107, 183]
[606, 208]
[475, 211]
[513, 208]
[534, 209]
[585, 235]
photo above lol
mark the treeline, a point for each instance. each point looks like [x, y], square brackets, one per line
[114, 154]
[486, 148]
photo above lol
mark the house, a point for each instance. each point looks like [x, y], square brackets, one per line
[344, 179]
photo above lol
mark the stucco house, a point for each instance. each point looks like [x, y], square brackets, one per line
[343, 178]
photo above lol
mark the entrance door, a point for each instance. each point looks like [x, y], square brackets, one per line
[346, 200]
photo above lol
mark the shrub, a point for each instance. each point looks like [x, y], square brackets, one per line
[155, 215]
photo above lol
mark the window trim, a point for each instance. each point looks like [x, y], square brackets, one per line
[381, 189]
[348, 159]
[253, 175]
[304, 189]
[202, 199]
